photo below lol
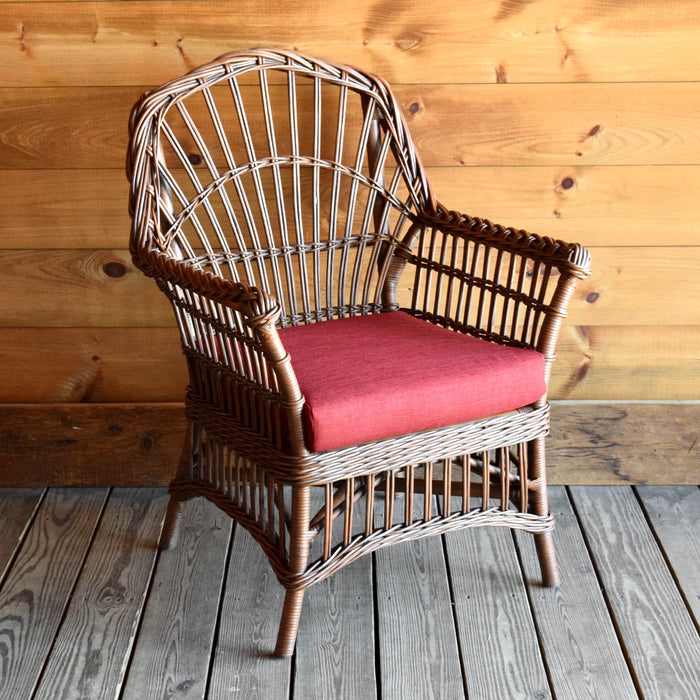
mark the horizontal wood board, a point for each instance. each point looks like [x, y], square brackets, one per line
[131, 365]
[599, 206]
[407, 41]
[140, 444]
[41, 580]
[574, 124]
[497, 662]
[339, 610]
[596, 668]
[17, 508]
[108, 599]
[674, 513]
[177, 632]
[252, 603]
[580, 640]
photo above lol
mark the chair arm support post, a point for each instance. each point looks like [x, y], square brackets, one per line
[553, 319]
[398, 265]
[280, 362]
[579, 257]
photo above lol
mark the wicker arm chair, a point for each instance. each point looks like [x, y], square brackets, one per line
[365, 366]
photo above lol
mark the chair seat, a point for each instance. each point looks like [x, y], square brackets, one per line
[367, 378]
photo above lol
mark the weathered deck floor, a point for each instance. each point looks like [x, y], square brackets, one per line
[89, 609]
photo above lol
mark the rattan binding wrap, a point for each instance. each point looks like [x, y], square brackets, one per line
[270, 189]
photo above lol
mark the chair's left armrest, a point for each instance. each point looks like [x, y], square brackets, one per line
[502, 284]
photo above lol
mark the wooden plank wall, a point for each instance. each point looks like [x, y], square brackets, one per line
[579, 120]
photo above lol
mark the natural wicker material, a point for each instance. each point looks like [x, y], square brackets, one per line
[270, 189]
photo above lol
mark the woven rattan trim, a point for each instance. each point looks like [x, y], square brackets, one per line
[345, 554]
[570, 256]
[491, 433]
[361, 544]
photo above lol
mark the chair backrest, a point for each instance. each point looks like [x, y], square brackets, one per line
[290, 174]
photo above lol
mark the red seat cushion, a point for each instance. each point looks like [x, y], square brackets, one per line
[371, 377]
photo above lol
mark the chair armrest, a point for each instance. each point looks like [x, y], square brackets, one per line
[504, 285]
[263, 360]
[571, 258]
[253, 303]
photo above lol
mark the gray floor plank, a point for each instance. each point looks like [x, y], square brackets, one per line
[674, 512]
[172, 653]
[335, 647]
[17, 506]
[73, 592]
[418, 653]
[36, 591]
[500, 650]
[243, 663]
[581, 648]
[93, 645]
[657, 630]
[335, 652]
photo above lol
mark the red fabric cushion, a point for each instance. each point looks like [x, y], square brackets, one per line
[372, 377]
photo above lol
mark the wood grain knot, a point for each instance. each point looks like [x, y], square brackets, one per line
[148, 442]
[408, 41]
[115, 269]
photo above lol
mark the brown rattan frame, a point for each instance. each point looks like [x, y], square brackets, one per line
[271, 189]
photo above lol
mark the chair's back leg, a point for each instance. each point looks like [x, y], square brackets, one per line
[544, 543]
[173, 515]
[171, 524]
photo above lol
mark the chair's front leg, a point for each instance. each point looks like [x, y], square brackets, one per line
[299, 535]
[289, 624]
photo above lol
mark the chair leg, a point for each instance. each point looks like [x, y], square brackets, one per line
[173, 516]
[171, 525]
[544, 543]
[547, 558]
[289, 625]
[298, 558]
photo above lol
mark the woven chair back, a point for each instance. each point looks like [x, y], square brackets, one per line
[285, 173]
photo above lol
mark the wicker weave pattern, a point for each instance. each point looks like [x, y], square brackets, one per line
[270, 189]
